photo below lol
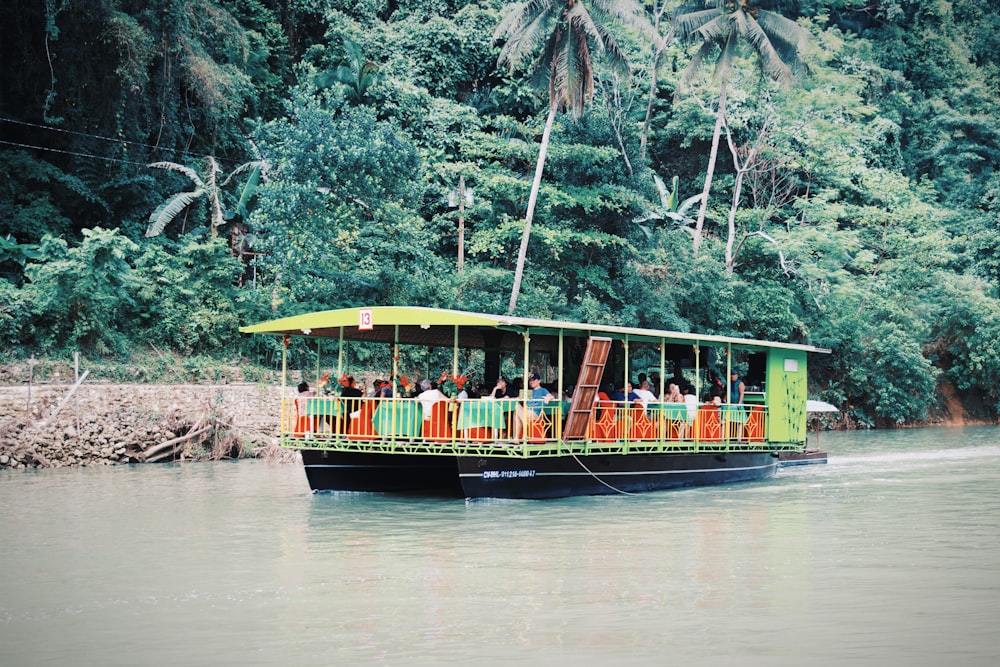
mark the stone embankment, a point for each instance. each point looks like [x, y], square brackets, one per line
[101, 424]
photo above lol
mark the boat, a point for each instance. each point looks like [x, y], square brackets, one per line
[581, 443]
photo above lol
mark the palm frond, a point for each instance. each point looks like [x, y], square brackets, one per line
[688, 24]
[693, 67]
[661, 188]
[249, 189]
[688, 203]
[529, 28]
[768, 59]
[717, 30]
[180, 168]
[169, 210]
[782, 28]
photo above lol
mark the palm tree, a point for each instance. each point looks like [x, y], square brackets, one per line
[358, 74]
[722, 25]
[565, 35]
[671, 208]
[206, 186]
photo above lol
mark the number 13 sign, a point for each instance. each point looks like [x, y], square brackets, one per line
[365, 320]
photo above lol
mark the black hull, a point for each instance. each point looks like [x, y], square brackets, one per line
[399, 473]
[534, 478]
[602, 474]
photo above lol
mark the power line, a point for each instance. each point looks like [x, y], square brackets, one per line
[73, 153]
[109, 139]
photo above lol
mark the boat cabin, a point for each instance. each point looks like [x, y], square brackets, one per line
[580, 367]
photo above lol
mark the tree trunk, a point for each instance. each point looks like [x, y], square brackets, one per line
[532, 199]
[721, 114]
[657, 53]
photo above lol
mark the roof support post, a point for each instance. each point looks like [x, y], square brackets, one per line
[663, 367]
[697, 370]
[527, 348]
[560, 381]
[319, 343]
[340, 355]
[454, 357]
[395, 359]
[628, 368]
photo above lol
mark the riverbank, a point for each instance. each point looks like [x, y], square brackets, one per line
[53, 425]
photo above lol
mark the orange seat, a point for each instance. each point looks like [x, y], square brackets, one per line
[602, 419]
[707, 425]
[643, 428]
[361, 427]
[303, 423]
[754, 430]
[437, 427]
[537, 429]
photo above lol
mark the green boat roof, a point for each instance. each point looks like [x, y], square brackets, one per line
[436, 326]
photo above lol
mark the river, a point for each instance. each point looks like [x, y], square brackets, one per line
[888, 554]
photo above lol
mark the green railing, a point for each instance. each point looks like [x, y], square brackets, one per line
[516, 429]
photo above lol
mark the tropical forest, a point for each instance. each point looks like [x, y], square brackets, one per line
[810, 171]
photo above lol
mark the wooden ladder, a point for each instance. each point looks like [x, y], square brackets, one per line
[587, 385]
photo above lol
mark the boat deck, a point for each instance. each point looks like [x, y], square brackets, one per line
[489, 428]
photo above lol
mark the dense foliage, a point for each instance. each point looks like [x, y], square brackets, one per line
[310, 152]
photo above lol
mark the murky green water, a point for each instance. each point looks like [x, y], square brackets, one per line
[889, 554]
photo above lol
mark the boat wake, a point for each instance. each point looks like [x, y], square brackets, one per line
[956, 454]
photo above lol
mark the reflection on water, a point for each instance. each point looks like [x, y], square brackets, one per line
[889, 552]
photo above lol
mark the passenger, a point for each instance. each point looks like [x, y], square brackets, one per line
[644, 394]
[352, 402]
[618, 395]
[428, 396]
[736, 388]
[736, 392]
[500, 389]
[539, 397]
[654, 384]
[305, 423]
[673, 394]
[691, 403]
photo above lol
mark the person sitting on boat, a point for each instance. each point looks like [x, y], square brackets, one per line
[500, 389]
[673, 394]
[643, 393]
[654, 384]
[428, 396]
[539, 397]
[351, 395]
[691, 403]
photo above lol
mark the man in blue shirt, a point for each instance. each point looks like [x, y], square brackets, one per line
[539, 397]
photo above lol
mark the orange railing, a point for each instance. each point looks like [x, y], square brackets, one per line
[511, 420]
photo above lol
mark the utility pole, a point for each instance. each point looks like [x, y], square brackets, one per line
[464, 197]
[461, 222]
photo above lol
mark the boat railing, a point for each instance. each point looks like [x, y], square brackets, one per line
[519, 426]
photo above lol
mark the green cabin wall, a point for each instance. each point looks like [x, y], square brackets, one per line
[785, 394]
